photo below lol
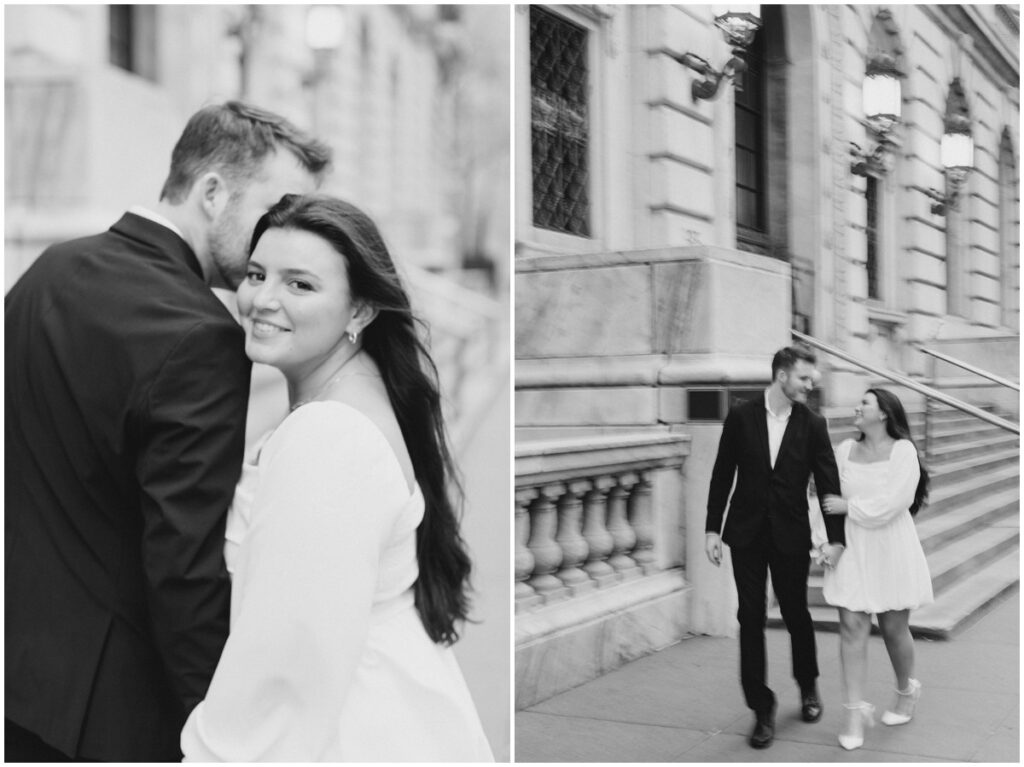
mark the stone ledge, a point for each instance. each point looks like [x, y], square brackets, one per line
[564, 645]
[563, 459]
[642, 370]
[555, 262]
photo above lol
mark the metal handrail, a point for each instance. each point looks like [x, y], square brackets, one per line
[927, 391]
[970, 368]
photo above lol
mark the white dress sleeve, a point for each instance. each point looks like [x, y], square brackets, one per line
[304, 590]
[894, 494]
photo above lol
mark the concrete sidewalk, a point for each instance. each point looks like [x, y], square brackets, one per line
[684, 704]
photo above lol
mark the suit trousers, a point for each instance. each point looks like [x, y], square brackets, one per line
[750, 566]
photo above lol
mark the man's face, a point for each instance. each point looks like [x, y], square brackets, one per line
[798, 381]
[231, 232]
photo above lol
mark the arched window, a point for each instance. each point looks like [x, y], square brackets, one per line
[1009, 233]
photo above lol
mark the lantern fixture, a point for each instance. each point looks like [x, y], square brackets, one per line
[956, 151]
[883, 107]
[739, 25]
[325, 27]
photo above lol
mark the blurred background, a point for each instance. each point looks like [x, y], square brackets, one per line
[414, 101]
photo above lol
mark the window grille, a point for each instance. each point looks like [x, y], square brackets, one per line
[558, 123]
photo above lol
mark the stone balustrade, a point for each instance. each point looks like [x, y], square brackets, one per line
[584, 517]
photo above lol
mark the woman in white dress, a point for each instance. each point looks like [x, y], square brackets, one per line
[348, 571]
[883, 570]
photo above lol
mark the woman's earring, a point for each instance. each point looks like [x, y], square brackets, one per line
[352, 336]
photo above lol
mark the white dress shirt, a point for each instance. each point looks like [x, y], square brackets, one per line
[776, 427]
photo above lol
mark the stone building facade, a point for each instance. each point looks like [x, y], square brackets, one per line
[666, 246]
[97, 95]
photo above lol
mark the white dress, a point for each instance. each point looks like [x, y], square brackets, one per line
[883, 567]
[327, 659]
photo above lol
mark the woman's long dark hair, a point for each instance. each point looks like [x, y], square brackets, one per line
[411, 380]
[897, 427]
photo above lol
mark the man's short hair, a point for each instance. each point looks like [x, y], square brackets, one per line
[234, 139]
[786, 357]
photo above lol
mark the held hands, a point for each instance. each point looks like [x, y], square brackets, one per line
[828, 554]
[713, 548]
[834, 504]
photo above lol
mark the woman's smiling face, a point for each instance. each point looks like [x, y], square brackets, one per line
[295, 302]
[867, 411]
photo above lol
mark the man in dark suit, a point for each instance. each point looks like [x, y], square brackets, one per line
[772, 445]
[126, 390]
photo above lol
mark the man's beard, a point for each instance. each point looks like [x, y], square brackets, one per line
[228, 251]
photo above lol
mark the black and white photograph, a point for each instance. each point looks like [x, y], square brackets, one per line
[767, 383]
[508, 382]
[257, 375]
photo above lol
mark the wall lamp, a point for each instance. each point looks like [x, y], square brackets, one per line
[738, 28]
[882, 103]
[956, 150]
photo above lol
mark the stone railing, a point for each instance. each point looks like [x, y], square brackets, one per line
[584, 517]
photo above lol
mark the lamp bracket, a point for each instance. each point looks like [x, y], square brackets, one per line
[949, 201]
[877, 161]
[707, 88]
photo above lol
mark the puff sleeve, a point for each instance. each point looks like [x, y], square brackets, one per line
[894, 496]
[303, 591]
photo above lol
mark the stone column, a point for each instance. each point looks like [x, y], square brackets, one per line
[569, 538]
[640, 517]
[595, 532]
[547, 554]
[525, 594]
[623, 536]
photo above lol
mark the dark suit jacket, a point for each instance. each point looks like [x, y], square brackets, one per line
[766, 500]
[126, 388]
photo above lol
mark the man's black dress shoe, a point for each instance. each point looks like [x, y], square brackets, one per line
[764, 729]
[810, 705]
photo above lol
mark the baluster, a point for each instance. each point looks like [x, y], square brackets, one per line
[574, 546]
[623, 537]
[526, 595]
[595, 532]
[641, 518]
[547, 554]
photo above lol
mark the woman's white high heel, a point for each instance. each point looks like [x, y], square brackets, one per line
[913, 692]
[864, 717]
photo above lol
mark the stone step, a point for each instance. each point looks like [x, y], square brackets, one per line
[995, 443]
[942, 435]
[966, 601]
[949, 563]
[953, 609]
[937, 529]
[942, 416]
[953, 429]
[955, 470]
[965, 491]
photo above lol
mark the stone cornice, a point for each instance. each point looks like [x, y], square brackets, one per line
[556, 262]
[988, 46]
